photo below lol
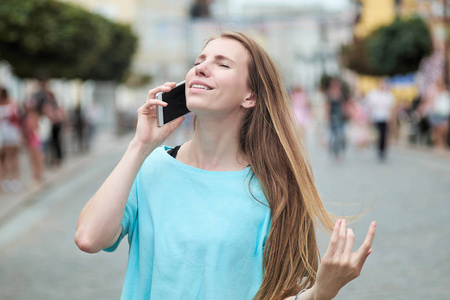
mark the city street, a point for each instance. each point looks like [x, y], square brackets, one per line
[73, 87]
[408, 196]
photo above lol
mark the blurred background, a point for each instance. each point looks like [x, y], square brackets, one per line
[368, 81]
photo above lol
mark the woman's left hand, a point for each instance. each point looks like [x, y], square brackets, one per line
[340, 264]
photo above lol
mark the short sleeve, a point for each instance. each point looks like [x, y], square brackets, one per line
[129, 217]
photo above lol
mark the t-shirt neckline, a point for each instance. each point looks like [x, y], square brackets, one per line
[173, 160]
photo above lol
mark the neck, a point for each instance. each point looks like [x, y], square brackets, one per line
[214, 146]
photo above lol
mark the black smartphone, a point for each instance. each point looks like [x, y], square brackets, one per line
[176, 100]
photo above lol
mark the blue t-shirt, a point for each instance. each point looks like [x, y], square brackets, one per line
[193, 234]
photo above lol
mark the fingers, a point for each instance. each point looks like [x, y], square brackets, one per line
[334, 238]
[341, 239]
[149, 105]
[174, 124]
[365, 248]
[166, 87]
[340, 263]
[347, 254]
[152, 102]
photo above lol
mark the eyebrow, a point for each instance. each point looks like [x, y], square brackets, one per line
[217, 57]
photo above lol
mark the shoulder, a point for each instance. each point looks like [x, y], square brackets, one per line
[156, 163]
[156, 157]
[160, 152]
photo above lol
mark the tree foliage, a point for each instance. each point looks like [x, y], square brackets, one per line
[112, 65]
[48, 38]
[397, 48]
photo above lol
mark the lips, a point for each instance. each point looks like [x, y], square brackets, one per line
[200, 85]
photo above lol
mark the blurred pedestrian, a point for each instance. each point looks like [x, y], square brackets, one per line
[381, 104]
[33, 142]
[47, 104]
[93, 117]
[319, 118]
[302, 109]
[438, 110]
[10, 138]
[80, 128]
[359, 127]
[45, 135]
[241, 219]
[336, 111]
[420, 125]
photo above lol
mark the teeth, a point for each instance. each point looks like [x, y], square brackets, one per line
[199, 86]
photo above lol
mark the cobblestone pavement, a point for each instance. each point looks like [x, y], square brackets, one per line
[408, 196]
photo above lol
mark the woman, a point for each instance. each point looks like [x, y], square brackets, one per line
[231, 217]
[439, 114]
[33, 140]
[47, 106]
[11, 140]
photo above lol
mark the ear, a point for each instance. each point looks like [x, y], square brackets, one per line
[250, 101]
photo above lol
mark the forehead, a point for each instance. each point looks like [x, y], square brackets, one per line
[226, 47]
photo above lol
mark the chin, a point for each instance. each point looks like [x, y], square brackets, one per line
[194, 104]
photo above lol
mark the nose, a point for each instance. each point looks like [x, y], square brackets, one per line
[202, 69]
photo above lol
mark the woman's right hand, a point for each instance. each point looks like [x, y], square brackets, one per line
[148, 134]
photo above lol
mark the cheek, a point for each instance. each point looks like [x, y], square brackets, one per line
[241, 87]
[236, 84]
[190, 74]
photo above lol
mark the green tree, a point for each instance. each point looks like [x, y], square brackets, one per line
[48, 38]
[115, 59]
[397, 48]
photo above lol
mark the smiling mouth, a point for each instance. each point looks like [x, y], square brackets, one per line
[199, 86]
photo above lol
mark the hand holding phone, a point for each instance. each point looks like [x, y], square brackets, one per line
[176, 104]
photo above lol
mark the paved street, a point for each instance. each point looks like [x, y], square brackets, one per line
[39, 259]
[408, 196]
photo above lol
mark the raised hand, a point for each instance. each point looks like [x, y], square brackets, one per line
[340, 265]
[148, 134]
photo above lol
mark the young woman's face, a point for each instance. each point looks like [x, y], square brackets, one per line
[217, 84]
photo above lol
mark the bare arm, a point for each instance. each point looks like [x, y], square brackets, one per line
[339, 265]
[99, 224]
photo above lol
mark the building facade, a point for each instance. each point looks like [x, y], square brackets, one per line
[304, 41]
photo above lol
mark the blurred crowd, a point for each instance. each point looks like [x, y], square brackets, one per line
[337, 116]
[42, 127]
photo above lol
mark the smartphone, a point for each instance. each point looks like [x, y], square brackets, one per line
[176, 100]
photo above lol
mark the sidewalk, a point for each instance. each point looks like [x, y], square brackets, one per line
[104, 142]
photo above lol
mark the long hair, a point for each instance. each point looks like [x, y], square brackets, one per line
[271, 142]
